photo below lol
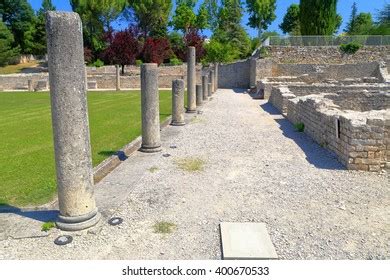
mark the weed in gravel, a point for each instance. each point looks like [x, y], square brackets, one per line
[300, 127]
[164, 227]
[153, 169]
[48, 226]
[191, 164]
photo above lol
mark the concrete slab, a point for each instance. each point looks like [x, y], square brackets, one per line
[246, 241]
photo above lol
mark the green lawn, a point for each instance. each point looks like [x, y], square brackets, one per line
[27, 171]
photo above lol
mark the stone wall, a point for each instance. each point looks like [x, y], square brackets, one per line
[326, 55]
[235, 75]
[360, 139]
[103, 78]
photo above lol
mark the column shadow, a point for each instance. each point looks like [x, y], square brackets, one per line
[38, 215]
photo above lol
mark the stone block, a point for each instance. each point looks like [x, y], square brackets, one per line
[246, 241]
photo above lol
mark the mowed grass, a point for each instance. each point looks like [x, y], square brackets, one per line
[27, 168]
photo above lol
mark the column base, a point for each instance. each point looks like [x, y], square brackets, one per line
[188, 111]
[78, 223]
[150, 149]
[178, 123]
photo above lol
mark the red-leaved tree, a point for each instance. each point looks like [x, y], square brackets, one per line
[156, 50]
[194, 39]
[123, 47]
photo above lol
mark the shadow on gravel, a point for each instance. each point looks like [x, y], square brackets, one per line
[315, 154]
[38, 215]
[121, 155]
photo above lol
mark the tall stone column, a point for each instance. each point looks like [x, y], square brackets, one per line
[150, 109]
[118, 77]
[209, 88]
[204, 87]
[191, 80]
[216, 76]
[178, 103]
[199, 95]
[70, 122]
[212, 81]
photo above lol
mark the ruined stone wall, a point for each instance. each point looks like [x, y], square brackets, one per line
[326, 55]
[360, 140]
[103, 77]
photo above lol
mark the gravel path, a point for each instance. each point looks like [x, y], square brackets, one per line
[257, 169]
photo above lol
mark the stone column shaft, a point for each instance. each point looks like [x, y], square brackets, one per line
[212, 81]
[178, 103]
[204, 87]
[209, 88]
[199, 95]
[216, 76]
[70, 122]
[191, 80]
[150, 109]
[118, 77]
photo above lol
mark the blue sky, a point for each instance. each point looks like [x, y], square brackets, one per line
[344, 8]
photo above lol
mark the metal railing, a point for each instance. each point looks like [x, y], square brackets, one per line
[366, 40]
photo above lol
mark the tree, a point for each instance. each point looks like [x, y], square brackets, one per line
[291, 22]
[37, 43]
[151, 15]
[202, 19]
[97, 16]
[363, 24]
[184, 18]
[382, 27]
[124, 47]
[261, 13]
[7, 52]
[212, 13]
[384, 15]
[156, 50]
[352, 20]
[19, 17]
[217, 52]
[319, 17]
[229, 29]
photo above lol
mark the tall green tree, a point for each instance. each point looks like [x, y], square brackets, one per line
[382, 27]
[229, 29]
[261, 13]
[7, 51]
[362, 25]
[212, 13]
[97, 17]
[37, 44]
[319, 17]
[184, 18]
[19, 17]
[291, 23]
[151, 15]
[352, 20]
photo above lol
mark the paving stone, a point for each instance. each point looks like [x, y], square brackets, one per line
[246, 241]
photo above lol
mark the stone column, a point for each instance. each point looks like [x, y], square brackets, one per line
[204, 87]
[191, 80]
[212, 81]
[199, 95]
[150, 109]
[209, 89]
[216, 76]
[118, 77]
[178, 103]
[70, 122]
[30, 85]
